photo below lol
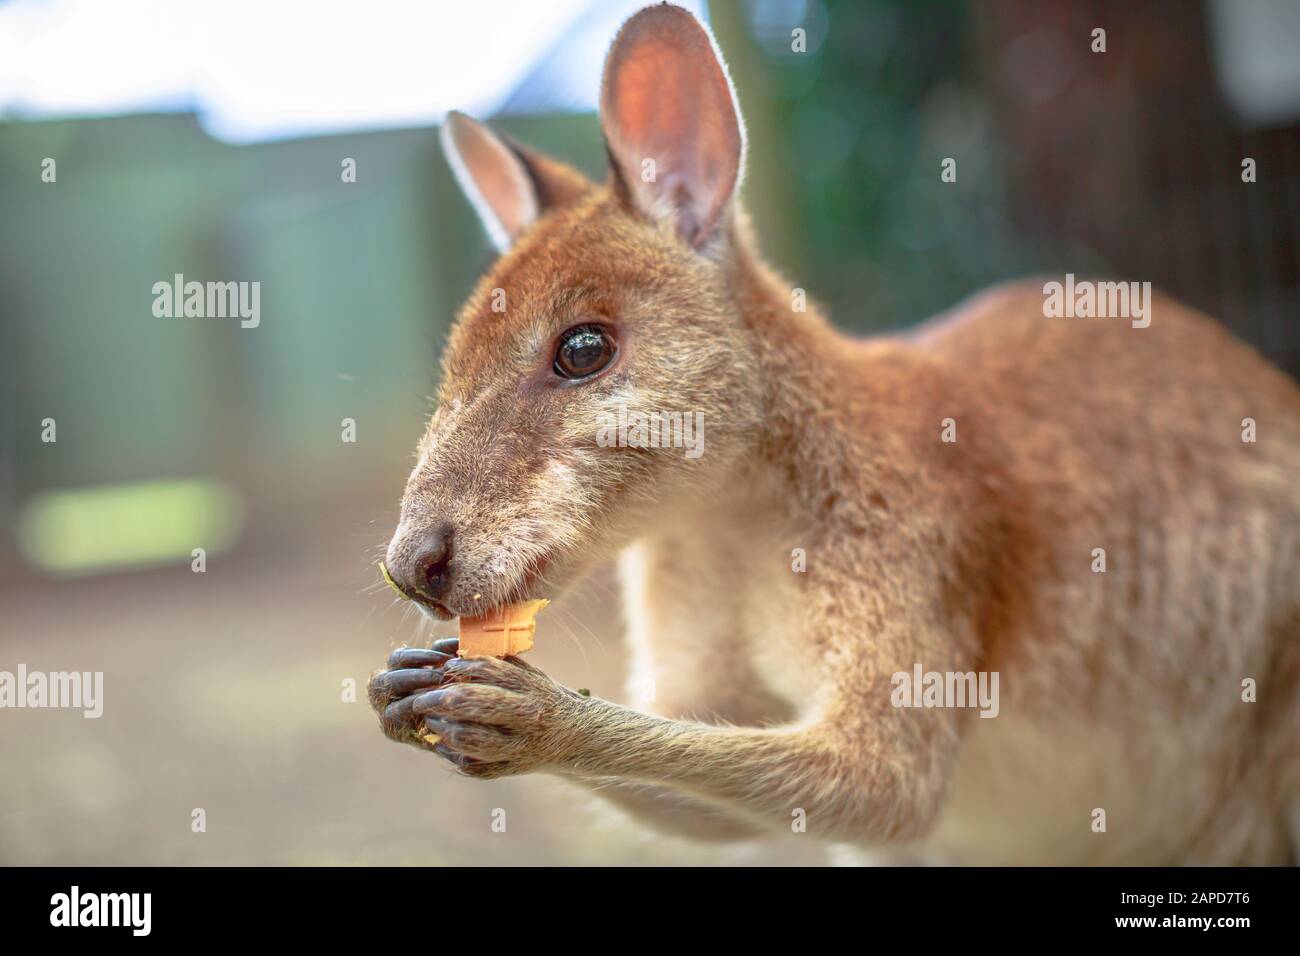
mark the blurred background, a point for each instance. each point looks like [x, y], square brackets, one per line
[209, 139]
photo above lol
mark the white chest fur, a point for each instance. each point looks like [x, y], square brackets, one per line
[713, 627]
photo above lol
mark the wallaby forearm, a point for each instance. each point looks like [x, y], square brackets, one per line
[847, 781]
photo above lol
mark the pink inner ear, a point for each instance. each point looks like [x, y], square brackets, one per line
[667, 98]
[497, 174]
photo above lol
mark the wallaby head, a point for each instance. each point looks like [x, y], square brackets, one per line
[608, 302]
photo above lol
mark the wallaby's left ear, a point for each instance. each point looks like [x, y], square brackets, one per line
[671, 122]
[509, 185]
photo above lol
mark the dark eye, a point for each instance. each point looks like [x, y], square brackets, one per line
[583, 350]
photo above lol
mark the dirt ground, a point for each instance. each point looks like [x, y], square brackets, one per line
[223, 691]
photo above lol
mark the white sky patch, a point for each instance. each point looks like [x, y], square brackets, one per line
[269, 69]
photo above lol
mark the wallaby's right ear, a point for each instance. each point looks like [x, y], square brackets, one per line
[509, 185]
[671, 122]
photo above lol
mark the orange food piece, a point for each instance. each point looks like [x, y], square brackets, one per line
[508, 629]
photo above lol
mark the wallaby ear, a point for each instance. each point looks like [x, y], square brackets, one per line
[509, 186]
[671, 122]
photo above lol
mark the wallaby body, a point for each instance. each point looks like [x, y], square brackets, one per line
[762, 690]
[1119, 690]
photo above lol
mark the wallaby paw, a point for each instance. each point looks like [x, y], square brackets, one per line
[392, 689]
[492, 718]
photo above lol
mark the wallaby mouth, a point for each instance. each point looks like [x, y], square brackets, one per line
[429, 576]
[437, 608]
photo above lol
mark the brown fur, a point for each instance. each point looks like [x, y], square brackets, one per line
[1119, 690]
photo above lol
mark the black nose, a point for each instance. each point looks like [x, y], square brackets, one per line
[420, 561]
[431, 563]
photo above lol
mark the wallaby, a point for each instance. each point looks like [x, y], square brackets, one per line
[1103, 516]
